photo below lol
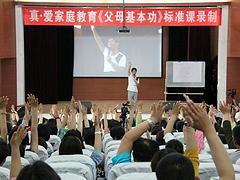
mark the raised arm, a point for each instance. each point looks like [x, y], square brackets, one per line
[225, 109]
[191, 148]
[199, 119]
[33, 102]
[131, 115]
[97, 39]
[129, 68]
[3, 121]
[16, 140]
[173, 118]
[98, 138]
[132, 135]
[72, 117]
[139, 112]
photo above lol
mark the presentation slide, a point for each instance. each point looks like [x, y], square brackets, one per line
[103, 52]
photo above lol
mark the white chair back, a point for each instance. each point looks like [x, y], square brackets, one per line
[125, 168]
[78, 158]
[112, 143]
[112, 148]
[138, 176]
[7, 163]
[31, 157]
[55, 141]
[86, 152]
[89, 147]
[71, 176]
[208, 170]
[4, 173]
[74, 168]
[237, 177]
[42, 152]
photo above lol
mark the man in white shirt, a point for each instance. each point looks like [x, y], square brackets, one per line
[114, 60]
[133, 82]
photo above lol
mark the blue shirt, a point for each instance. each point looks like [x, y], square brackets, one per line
[122, 158]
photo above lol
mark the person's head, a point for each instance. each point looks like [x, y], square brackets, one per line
[44, 132]
[156, 129]
[38, 171]
[158, 156]
[134, 71]
[117, 132]
[4, 151]
[144, 149]
[42, 142]
[175, 144]
[164, 123]
[75, 133]
[89, 135]
[70, 145]
[236, 136]
[179, 126]
[112, 123]
[52, 126]
[113, 44]
[175, 166]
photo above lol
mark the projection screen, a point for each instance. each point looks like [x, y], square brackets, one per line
[103, 52]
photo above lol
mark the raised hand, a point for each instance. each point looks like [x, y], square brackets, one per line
[32, 100]
[140, 105]
[94, 108]
[3, 102]
[176, 109]
[224, 108]
[157, 112]
[197, 117]
[27, 115]
[18, 136]
[73, 106]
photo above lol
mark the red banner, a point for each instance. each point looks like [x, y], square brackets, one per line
[114, 17]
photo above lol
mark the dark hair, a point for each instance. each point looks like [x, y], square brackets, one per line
[160, 138]
[179, 126]
[77, 134]
[175, 144]
[158, 156]
[117, 132]
[112, 123]
[236, 135]
[164, 123]
[42, 142]
[156, 129]
[133, 69]
[52, 126]
[4, 151]
[144, 149]
[38, 171]
[175, 123]
[70, 145]
[44, 132]
[175, 166]
[89, 136]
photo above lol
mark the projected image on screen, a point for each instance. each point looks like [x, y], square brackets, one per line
[103, 52]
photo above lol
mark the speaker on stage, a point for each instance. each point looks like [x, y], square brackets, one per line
[88, 105]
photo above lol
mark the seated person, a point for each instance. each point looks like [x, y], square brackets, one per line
[143, 149]
[232, 136]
